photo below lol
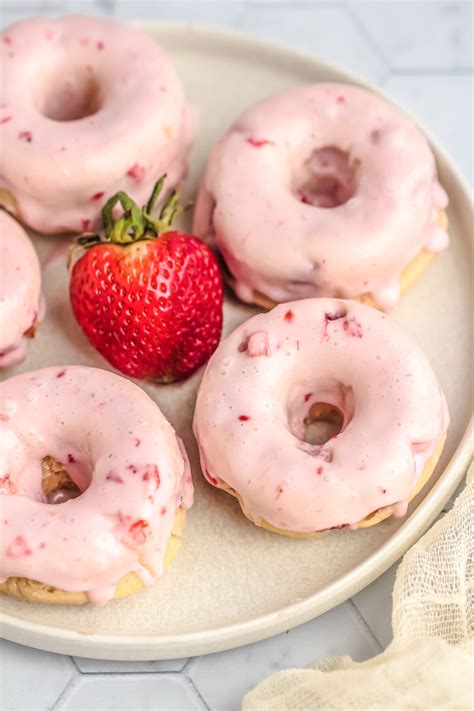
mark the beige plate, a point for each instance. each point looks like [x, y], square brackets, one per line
[233, 583]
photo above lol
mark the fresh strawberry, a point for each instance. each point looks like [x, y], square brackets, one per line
[148, 299]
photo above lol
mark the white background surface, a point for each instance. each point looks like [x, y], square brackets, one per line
[421, 53]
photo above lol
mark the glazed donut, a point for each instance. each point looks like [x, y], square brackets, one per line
[107, 527]
[89, 107]
[275, 373]
[324, 190]
[21, 302]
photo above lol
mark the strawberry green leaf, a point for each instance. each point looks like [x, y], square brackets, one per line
[130, 227]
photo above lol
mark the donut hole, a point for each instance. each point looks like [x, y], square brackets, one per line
[72, 97]
[58, 486]
[327, 179]
[322, 423]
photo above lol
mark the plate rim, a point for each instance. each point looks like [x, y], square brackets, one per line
[187, 644]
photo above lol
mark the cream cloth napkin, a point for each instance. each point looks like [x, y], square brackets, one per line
[430, 662]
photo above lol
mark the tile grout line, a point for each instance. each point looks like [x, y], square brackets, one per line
[366, 36]
[433, 71]
[75, 665]
[74, 682]
[74, 675]
[191, 683]
[108, 6]
[291, 4]
[66, 692]
[189, 664]
[360, 617]
[142, 672]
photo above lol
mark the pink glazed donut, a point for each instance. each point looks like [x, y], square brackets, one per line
[88, 107]
[21, 302]
[273, 374]
[128, 466]
[324, 190]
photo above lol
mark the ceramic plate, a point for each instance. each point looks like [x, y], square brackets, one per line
[233, 583]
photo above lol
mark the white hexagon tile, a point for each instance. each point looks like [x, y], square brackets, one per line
[31, 679]
[420, 52]
[417, 36]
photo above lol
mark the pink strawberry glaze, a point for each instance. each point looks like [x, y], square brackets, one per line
[141, 118]
[21, 303]
[117, 525]
[394, 415]
[255, 198]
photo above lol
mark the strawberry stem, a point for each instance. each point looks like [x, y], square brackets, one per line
[130, 227]
[137, 223]
[155, 193]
